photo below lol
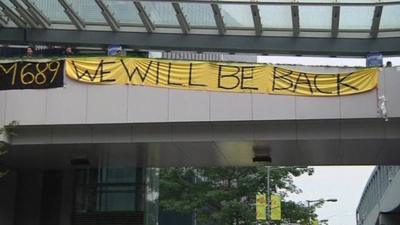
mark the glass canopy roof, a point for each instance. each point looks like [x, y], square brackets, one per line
[309, 18]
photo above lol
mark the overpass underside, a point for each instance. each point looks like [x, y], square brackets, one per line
[307, 142]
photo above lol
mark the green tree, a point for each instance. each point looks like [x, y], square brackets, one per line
[6, 131]
[226, 196]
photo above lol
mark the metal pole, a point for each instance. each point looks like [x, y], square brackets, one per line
[268, 196]
[309, 213]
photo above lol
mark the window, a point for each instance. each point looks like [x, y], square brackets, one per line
[107, 190]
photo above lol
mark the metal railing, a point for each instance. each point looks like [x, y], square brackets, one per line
[378, 183]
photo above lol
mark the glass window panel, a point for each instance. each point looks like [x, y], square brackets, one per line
[357, 1]
[323, 1]
[276, 16]
[84, 177]
[10, 5]
[117, 202]
[124, 11]
[275, 0]
[316, 17]
[161, 13]
[237, 15]
[105, 189]
[390, 18]
[356, 17]
[53, 10]
[319, 1]
[331, 1]
[198, 14]
[118, 175]
[89, 11]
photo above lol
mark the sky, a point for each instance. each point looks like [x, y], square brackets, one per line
[344, 183]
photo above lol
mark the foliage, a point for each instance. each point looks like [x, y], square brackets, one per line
[8, 130]
[296, 212]
[226, 196]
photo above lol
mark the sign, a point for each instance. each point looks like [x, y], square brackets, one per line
[114, 50]
[276, 207]
[31, 75]
[212, 76]
[261, 206]
[374, 59]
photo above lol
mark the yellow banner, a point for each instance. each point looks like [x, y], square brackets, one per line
[213, 76]
[275, 207]
[293, 82]
[261, 207]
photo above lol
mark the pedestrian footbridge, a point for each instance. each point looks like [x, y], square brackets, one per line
[151, 126]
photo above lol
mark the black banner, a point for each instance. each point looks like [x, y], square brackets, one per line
[31, 75]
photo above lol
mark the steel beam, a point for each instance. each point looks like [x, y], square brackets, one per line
[283, 2]
[12, 36]
[376, 21]
[3, 21]
[29, 19]
[144, 17]
[256, 19]
[219, 21]
[205, 43]
[295, 20]
[183, 23]
[73, 16]
[12, 15]
[108, 15]
[37, 14]
[335, 21]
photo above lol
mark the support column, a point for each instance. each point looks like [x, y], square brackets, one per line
[152, 181]
[67, 198]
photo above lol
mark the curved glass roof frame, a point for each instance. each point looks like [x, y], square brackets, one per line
[322, 18]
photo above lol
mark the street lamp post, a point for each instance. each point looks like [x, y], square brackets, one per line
[317, 201]
[268, 195]
[324, 221]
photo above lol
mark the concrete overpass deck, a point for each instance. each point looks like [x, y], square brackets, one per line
[166, 127]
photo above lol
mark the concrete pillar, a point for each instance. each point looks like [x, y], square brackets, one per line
[389, 219]
[67, 197]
